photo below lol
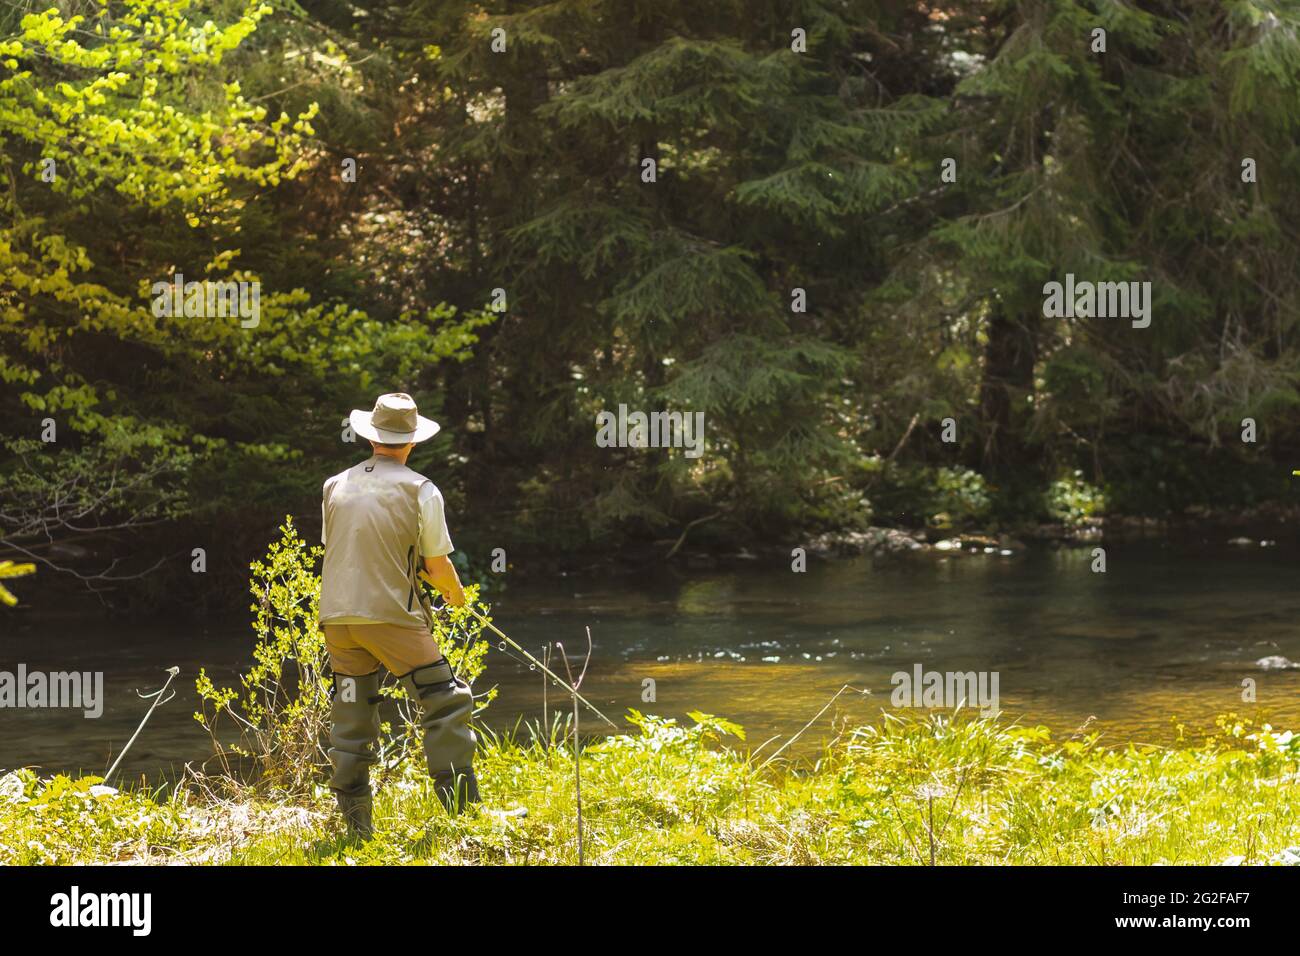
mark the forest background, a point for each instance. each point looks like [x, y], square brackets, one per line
[827, 226]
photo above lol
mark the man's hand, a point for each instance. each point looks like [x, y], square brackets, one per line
[444, 577]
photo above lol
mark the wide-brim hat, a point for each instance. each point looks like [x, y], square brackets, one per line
[394, 421]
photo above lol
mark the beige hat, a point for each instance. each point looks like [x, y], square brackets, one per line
[394, 421]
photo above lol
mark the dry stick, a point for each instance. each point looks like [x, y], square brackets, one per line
[577, 750]
[759, 749]
[777, 752]
[929, 823]
[157, 699]
[906, 832]
[899, 447]
[687, 530]
[961, 783]
[906, 435]
[546, 724]
[577, 775]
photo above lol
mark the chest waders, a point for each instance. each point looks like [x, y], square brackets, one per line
[446, 703]
[354, 740]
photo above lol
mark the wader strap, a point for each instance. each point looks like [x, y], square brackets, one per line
[432, 675]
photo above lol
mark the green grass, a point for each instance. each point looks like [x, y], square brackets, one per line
[970, 791]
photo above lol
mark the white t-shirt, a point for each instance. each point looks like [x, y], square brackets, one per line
[435, 541]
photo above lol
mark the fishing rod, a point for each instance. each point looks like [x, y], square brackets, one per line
[424, 576]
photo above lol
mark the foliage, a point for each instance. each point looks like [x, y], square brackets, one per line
[1074, 501]
[9, 569]
[968, 790]
[281, 710]
[961, 497]
[133, 153]
[841, 247]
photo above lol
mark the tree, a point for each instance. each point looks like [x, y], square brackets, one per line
[132, 158]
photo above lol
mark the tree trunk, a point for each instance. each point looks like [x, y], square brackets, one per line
[1008, 383]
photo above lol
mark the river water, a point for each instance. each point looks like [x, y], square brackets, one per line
[1167, 634]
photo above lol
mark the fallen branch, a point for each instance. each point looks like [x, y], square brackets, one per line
[157, 699]
[687, 530]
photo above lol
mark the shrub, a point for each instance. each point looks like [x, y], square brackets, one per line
[282, 709]
[1074, 501]
[960, 496]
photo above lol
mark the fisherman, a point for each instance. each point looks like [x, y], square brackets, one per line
[381, 524]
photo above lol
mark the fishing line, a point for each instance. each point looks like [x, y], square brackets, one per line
[506, 639]
[472, 639]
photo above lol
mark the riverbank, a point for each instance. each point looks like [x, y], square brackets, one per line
[910, 791]
[1263, 525]
[49, 594]
[1173, 634]
[1258, 527]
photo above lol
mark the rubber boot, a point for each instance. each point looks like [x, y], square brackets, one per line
[354, 738]
[456, 789]
[445, 704]
[356, 809]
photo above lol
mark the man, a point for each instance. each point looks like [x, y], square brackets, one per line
[382, 522]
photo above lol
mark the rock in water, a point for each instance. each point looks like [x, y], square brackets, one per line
[871, 541]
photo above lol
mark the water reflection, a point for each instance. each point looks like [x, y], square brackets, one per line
[1166, 632]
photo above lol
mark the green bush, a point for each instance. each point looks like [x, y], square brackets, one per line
[281, 710]
[959, 496]
[1073, 501]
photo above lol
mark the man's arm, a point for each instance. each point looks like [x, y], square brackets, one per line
[445, 579]
[434, 540]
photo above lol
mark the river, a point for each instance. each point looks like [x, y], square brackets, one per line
[1167, 634]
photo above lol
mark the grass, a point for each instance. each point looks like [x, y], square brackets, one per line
[954, 790]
